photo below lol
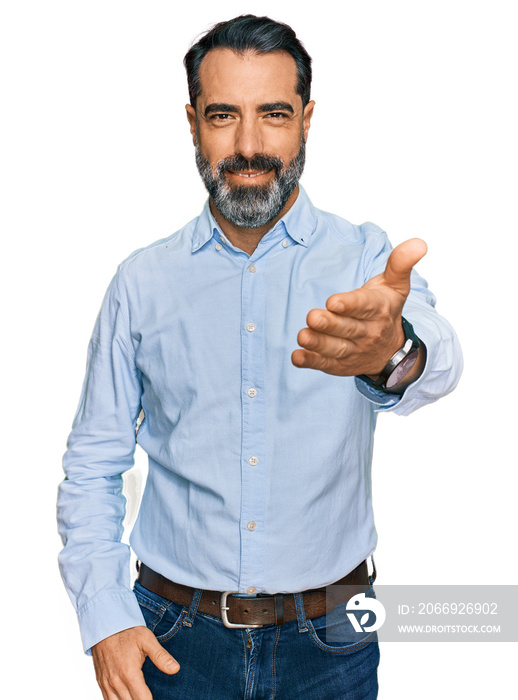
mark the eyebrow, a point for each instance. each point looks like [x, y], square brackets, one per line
[276, 107]
[220, 107]
[231, 109]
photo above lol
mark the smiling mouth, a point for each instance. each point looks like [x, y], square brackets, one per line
[242, 173]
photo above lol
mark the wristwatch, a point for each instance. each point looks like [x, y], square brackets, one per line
[400, 363]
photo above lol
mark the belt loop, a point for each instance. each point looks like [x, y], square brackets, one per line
[374, 572]
[279, 608]
[193, 607]
[301, 613]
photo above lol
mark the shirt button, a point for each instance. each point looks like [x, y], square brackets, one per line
[251, 590]
[253, 461]
[252, 268]
[250, 327]
[252, 392]
[251, 526]
[285, 243]
[218, 246]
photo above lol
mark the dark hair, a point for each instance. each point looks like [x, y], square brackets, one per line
[245, 33]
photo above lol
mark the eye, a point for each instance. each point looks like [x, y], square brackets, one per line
[277, 115]
[220, 117]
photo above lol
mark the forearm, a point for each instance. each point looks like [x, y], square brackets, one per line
[94, 562]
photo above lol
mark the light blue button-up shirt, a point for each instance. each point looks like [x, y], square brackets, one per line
[259, 471]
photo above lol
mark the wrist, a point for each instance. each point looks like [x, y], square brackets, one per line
[405, 365]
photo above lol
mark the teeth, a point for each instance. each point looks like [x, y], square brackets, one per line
[251, 175]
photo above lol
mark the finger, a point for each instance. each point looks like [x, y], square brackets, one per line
[401, 261]
[161, 658]
[360, 304]
[332, 323]
[313, 360]
[126, 685]
[138, 688]
[122, 690]
[324, 344]
[125, 688]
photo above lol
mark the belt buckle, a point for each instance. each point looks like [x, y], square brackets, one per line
[224, 616]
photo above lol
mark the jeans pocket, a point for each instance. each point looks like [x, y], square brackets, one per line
[338, 633]
[163, 617]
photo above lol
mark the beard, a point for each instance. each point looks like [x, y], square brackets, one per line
[251, 206]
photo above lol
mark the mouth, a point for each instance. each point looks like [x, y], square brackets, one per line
[249, 173]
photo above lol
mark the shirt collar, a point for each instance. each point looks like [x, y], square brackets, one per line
[299, 223]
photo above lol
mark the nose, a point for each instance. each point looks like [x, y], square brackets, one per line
[249, 141]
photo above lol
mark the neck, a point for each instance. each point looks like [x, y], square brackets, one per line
[247, 239]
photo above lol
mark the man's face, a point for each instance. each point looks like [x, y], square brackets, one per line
[249, 130]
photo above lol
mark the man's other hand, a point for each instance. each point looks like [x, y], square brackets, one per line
[118, 662]
[359, 331]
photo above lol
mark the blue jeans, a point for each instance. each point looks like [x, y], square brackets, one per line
[275, 662]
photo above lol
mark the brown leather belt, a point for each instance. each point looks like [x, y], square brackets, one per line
[264, 609]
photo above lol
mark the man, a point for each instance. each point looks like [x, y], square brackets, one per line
[258, 494]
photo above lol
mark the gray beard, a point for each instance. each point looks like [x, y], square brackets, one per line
[251, 206]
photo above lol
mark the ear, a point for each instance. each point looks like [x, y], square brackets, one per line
[306, 119]
[191, 118]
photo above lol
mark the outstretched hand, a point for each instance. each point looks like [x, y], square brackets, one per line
[359, 331]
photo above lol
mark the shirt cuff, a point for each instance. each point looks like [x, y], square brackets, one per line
[382, 399]
[107, 614]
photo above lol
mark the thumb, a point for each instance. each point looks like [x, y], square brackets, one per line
[400, 264]
[161, 658]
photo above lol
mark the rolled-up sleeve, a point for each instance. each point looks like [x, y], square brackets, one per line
[94, 563]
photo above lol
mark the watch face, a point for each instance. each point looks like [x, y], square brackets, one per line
[402, 369]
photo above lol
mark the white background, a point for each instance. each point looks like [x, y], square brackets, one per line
[414, 129]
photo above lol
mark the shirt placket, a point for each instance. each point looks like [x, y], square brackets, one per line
[253, 413]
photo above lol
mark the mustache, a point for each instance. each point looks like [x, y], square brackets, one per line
[258, 162]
